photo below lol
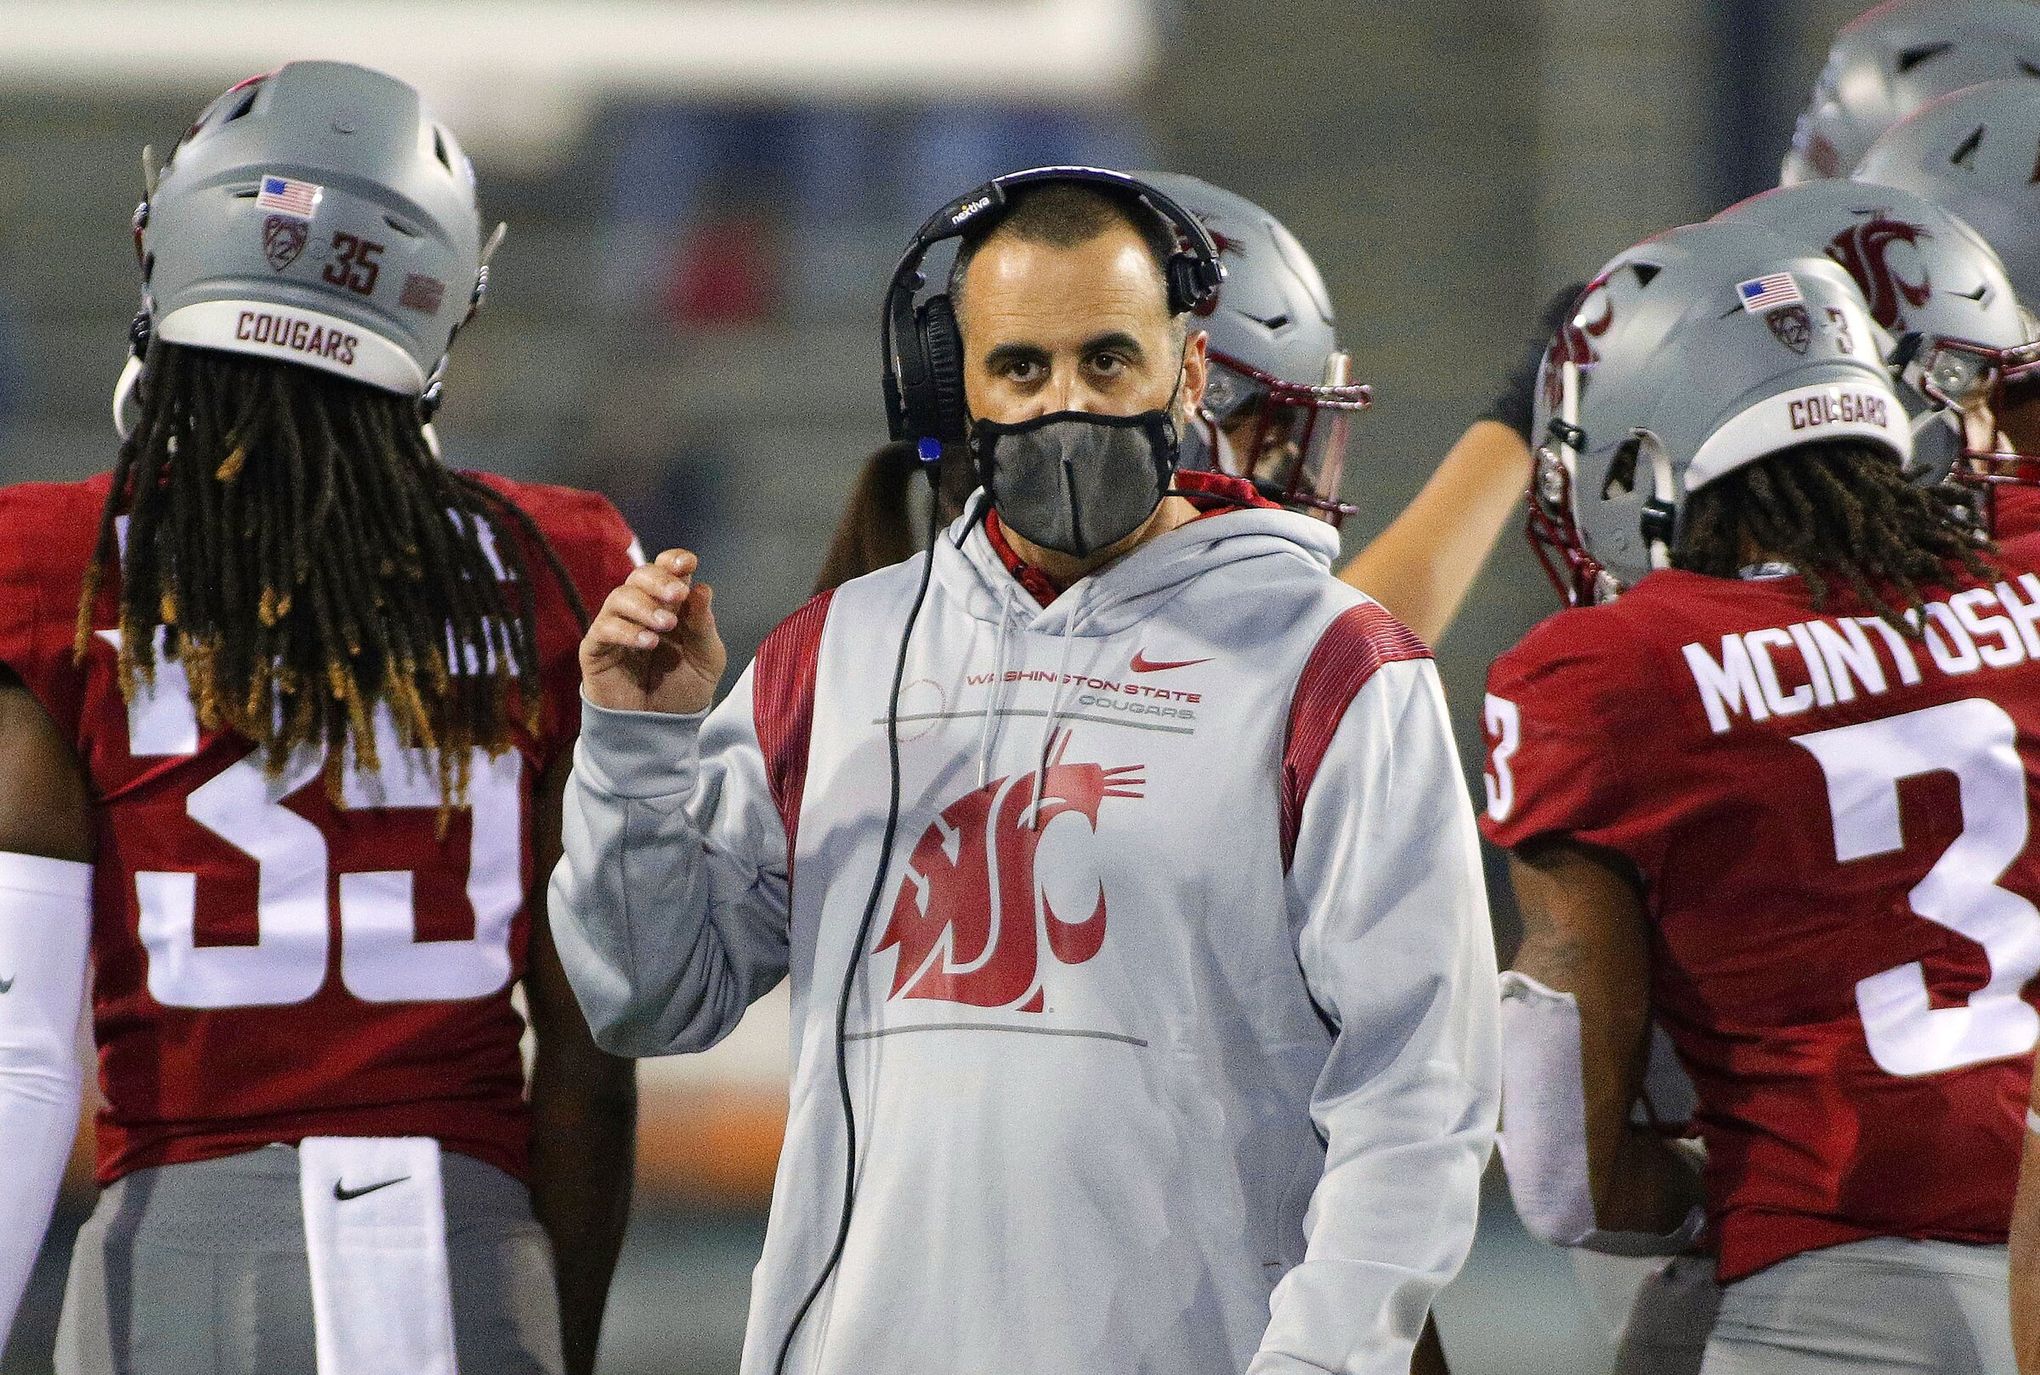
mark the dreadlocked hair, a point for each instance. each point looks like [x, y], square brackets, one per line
[1839, 510]
[309, 561]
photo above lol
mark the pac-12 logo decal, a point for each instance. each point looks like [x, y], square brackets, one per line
[283, 238]
[1792, 326]
[1864, 251]
[972, 915]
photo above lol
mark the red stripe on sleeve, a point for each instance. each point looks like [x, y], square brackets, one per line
[783, 706]
[1357, 642]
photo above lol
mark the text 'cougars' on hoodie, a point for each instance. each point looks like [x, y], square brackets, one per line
[1173, 1046]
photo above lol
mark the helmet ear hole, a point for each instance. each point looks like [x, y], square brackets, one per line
[1621, 480]
[942, 346]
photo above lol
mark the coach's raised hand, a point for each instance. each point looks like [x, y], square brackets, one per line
[654, 646]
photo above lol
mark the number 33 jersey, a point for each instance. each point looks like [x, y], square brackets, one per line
[270, 963]
[1833, 826]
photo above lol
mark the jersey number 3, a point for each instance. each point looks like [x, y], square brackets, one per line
[381, 958]
[1977, 742]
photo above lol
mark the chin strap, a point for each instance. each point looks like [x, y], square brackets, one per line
[126, 399]
[1660, 513]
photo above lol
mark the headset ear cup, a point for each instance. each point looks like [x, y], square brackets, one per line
[942, 348]
[1193, 282]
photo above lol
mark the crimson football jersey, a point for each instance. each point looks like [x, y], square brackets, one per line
[2014, 510]
[268, 965]
[1833, 826]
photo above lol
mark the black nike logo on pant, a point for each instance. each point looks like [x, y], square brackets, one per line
[343, 1193]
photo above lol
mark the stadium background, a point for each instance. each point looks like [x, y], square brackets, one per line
[704, 198]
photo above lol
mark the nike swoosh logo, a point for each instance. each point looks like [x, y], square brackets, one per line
[1143, 664]
[343, 1193]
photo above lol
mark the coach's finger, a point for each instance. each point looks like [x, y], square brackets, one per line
[635, 604]
[618, 632]
[656, 582]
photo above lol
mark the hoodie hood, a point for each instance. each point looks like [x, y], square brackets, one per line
[1130, 588]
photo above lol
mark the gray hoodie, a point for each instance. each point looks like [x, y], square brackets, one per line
[1172, 1044]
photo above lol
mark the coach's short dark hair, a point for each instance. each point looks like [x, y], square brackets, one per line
[1065, 214]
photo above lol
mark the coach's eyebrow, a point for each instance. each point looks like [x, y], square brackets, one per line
[1004, 355]
[1115, 341]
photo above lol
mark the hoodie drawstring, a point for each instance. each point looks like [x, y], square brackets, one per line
[1069, 637]
[993, 691]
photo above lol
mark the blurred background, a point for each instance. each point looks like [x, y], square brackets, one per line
[704, 199]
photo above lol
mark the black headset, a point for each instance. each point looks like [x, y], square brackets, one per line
[923, 350]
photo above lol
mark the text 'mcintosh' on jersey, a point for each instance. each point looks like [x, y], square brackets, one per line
[1753, 675]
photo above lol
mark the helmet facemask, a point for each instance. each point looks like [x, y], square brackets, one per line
[1287, 438]
[1549, 524]
[1986, 395]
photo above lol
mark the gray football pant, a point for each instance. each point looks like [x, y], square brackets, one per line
[200, 1270]
[1874, 1307]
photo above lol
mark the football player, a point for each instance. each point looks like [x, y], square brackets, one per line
[285, 709]
[1895, 58]
[1972, 153]
[1763, 783]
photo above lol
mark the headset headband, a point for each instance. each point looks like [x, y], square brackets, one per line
[1192, 274]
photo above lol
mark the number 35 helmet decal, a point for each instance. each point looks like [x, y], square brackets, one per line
[317, 215]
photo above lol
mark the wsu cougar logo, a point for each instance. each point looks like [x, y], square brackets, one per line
[1863, 251]
[972, 915]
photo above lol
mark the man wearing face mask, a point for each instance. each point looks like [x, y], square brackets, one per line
[1143, 992]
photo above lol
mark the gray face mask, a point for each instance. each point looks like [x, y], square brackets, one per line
[1076, 482]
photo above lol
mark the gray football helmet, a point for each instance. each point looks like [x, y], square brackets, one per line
[1280, 386]
[1893, 59]
[1689, 356]
[1972, 153]
[317, 215]
[1933, 283]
